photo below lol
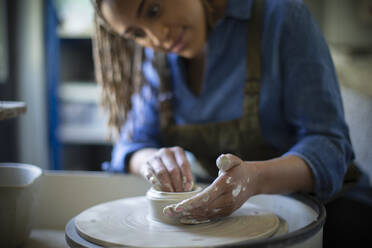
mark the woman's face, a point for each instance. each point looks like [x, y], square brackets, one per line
[177, 26]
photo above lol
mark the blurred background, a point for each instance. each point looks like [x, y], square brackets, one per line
[46, 61]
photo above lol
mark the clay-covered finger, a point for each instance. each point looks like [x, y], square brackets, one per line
[191, 205]
[162, 175]
[149, 174]
[174, 171]
[183, 163]
[217, 209]
[187, 207]
[220, 207]
[147, 171]
[227, 161]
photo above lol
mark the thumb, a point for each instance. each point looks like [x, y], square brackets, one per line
[227, 161]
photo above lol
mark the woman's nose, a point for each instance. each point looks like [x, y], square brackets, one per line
[160, 37]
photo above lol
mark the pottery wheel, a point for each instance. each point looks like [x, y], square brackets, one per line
[126, 222]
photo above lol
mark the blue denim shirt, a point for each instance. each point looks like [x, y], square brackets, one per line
[300, 106]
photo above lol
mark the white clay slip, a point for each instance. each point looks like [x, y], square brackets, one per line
[216, 210]
[236, 191]
[228, 180]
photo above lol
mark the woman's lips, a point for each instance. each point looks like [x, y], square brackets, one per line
[179, 43]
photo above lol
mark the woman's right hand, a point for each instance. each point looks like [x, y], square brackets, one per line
[168, 170]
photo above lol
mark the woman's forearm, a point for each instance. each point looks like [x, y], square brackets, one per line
[284, 175]
[139, 158]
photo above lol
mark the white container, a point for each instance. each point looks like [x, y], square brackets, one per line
[19, 193]
[159, 199]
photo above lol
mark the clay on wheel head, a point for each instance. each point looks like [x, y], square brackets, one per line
[159, 199]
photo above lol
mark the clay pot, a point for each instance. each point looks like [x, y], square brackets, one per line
[158, 200]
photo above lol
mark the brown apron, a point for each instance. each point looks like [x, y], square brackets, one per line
[241, 137]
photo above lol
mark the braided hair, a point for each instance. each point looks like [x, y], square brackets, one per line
[118, 68]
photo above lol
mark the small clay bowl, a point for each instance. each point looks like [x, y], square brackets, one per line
[160, 199]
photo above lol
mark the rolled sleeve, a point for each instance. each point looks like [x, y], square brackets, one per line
[141, 130]
[312, 102]
[326, 162]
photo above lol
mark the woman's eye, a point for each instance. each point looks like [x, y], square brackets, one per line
[153, 11]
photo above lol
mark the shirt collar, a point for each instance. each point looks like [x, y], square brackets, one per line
[240, 9]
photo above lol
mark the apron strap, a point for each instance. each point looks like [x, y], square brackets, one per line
[255, 27]
[253, 65]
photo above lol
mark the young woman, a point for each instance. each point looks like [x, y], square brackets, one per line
[252, 79]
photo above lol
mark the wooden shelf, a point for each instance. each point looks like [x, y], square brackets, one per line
[10, 110]
[79, 92]
[66, 36]
[83, 134]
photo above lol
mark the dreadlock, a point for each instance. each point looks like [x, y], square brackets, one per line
[118, 68]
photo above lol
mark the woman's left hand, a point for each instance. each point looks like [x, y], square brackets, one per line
[237, 181]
